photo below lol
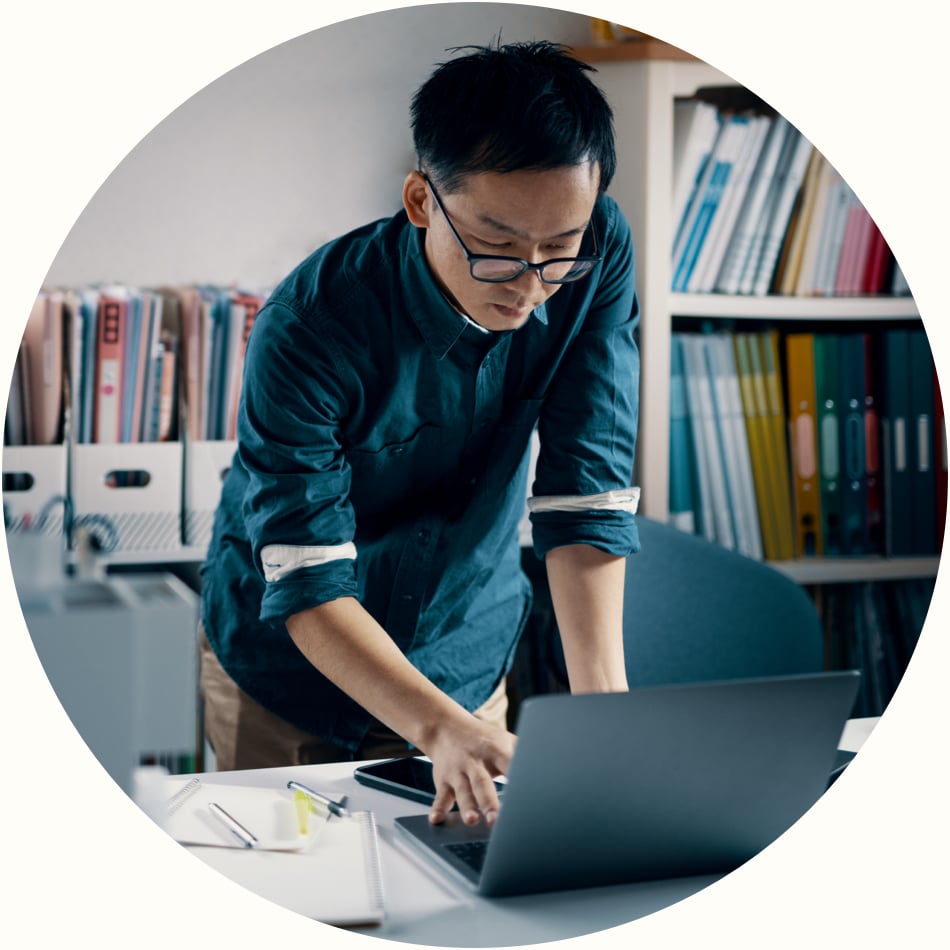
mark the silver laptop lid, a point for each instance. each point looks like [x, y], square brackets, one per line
[662, 781]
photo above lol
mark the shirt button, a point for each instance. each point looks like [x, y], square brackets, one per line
[424, 536]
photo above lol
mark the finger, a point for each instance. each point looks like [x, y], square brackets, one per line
[441, 804]
[486, 796]
[467, 802]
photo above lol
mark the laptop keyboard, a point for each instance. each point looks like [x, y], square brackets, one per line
[471, 853]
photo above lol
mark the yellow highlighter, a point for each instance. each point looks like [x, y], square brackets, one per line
[328, 804]
[302, 804]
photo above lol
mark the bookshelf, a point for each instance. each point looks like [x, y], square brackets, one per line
[642, 81]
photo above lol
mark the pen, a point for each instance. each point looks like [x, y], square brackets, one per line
[335, 807]
[234, 826]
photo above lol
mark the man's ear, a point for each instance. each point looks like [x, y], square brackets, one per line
[416, 199]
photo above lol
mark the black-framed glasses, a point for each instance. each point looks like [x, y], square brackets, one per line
[496, 269]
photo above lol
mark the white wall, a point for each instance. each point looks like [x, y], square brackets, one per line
[289, 149]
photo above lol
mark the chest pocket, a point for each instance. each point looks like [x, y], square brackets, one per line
[400, 472]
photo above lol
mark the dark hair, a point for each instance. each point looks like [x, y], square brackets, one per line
[512, 107]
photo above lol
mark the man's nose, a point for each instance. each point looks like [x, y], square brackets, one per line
[529, 279]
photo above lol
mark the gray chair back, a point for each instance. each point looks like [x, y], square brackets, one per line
[696, 611]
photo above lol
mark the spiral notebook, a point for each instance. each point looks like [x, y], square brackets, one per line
[333, 875]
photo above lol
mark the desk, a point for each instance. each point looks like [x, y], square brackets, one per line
[423, 907]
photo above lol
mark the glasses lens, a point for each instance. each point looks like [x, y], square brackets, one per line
[563, 272]
[495, 269]
[499, 269]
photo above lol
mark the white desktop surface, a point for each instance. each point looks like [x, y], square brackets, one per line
[855, 732]
[426, 907]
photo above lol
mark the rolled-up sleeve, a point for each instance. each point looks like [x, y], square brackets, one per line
[583, 492]
[296, 507]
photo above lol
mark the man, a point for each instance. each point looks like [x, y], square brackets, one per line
[363, 594]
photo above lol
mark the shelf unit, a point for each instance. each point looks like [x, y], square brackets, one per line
[642, 80]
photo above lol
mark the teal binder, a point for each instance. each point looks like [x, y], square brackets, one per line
[895, 361]
[829, 453]
[923, 468]
[682, 496]
[852, 389]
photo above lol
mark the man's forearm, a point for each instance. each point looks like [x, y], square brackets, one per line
[587, 593]
[347, 645]
[350, 648]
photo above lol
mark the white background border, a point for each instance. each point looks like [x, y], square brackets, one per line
[84, 82]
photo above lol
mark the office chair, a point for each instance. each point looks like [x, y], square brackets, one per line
[696, 611]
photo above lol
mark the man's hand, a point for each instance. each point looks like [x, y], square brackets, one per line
[353, 651]
[467, 756]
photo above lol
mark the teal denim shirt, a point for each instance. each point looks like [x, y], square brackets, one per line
[382, 449]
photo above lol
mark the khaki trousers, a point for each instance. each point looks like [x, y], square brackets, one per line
[245, 735]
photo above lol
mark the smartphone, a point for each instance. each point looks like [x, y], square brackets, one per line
[409, 777]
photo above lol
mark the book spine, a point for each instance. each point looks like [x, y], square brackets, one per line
[922, 462]
[109, 369]
[829, 453]
[734, 444]
[779, 439]
[940, 457]
[44, 354]
[896, 442]
[872, 444]
[251, 306]
[787, 192]
[799, 355]
[89, 301]
[853, 450]
[740, 248]
[682, 504]
[757, 436]
[168, 392]
[703, 478]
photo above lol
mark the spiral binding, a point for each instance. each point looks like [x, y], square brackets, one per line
[182, 795]
[371, 856]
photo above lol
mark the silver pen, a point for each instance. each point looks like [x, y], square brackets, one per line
[336, 808]
[233, 825]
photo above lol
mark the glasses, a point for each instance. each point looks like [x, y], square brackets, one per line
[495, 269]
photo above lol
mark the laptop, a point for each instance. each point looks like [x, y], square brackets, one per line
[660, 782]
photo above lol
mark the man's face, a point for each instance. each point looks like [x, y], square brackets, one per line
[534, 215]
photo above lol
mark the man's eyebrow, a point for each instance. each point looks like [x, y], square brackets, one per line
[514, 232]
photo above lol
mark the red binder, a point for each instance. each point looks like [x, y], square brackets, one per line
[111, 329]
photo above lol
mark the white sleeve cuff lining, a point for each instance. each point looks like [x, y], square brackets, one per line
[279, 560]
[618, 499]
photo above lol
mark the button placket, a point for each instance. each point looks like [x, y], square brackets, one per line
[412, 578]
